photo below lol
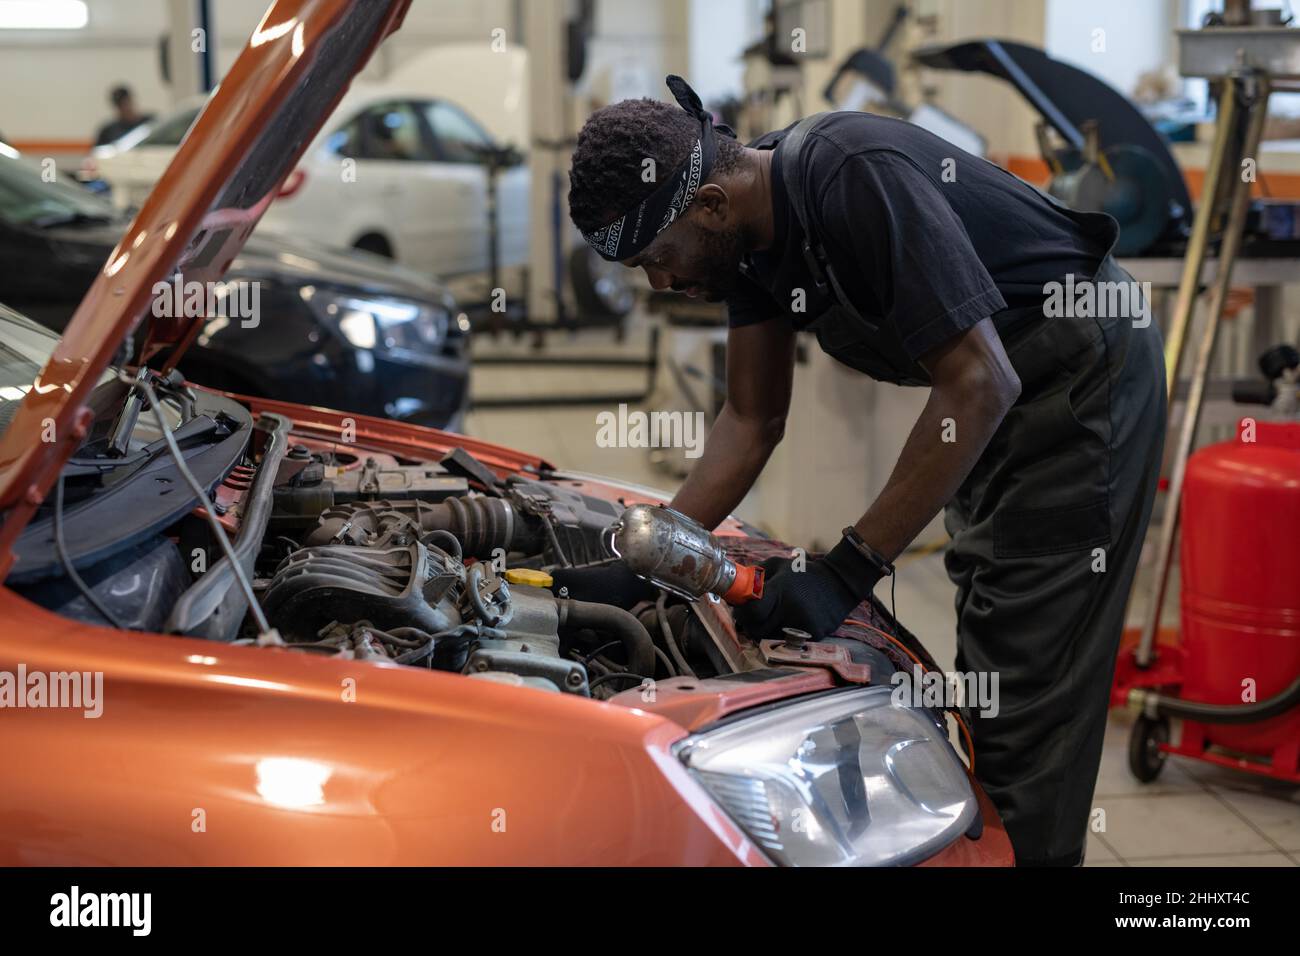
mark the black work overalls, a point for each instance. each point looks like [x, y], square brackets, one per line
[1046, 533]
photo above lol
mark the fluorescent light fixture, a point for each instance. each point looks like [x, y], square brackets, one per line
[43, 14]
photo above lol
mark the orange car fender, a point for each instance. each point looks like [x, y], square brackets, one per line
[209, 753]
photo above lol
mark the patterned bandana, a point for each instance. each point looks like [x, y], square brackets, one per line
[634, 230]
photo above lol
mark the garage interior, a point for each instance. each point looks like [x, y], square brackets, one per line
[558, 341]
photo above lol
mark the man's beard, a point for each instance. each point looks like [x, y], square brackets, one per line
[719, 263]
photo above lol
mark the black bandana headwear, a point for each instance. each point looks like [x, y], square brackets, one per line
[635, 229]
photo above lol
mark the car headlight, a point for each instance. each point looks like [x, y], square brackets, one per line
[389, 324]
[848, 778]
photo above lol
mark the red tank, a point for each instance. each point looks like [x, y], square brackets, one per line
[1241, 581]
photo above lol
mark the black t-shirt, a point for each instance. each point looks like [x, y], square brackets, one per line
[926, 240]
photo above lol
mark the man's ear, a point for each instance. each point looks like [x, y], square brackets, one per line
[713, 203]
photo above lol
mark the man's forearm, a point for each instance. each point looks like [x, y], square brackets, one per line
[930, 470]
[734, 455]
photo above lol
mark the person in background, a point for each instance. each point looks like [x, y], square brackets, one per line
[127, 119]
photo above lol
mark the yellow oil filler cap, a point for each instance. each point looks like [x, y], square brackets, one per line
[529, 576]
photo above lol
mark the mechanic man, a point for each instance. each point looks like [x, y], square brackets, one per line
[919, 264]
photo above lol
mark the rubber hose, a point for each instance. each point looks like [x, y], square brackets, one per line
[617, 623]
[481, 524]
[1220, 713]
[446, 541]
[488, 615]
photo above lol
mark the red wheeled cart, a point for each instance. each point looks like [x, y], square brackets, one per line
[1231, 675]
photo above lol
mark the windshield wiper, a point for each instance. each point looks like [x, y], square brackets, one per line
[119, 436]
[199, 427]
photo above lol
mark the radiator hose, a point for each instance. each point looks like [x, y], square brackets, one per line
[617, 623]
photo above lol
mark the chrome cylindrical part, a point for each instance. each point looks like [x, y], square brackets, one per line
[673, 551]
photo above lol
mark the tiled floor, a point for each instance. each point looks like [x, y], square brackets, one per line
[1194, 814]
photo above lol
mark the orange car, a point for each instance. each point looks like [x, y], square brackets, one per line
[249, 632]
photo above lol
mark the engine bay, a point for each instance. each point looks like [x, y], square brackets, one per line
[362, 554]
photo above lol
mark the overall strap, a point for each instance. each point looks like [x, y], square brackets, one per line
[791, 150]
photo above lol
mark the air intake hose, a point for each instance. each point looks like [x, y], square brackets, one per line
[480, 524]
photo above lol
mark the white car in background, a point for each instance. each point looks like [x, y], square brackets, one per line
[401, 174]
[399, 171]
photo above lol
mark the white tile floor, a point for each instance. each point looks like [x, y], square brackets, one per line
[1194, 814]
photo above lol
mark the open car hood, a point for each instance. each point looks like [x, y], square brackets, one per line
[297, 65]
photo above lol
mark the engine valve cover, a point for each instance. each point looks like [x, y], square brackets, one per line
[393, 587]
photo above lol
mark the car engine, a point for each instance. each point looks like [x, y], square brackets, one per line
[368, 556]
[404, 563]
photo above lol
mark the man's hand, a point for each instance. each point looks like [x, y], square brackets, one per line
[816, 600]
[613, 583]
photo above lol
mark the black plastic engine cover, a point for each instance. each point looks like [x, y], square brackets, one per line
[390, 587]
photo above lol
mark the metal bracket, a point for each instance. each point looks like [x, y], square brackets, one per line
[816, 654]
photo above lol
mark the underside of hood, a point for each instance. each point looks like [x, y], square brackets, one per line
[295, 68]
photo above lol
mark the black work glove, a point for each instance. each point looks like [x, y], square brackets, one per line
[612, 583]
[816, 599]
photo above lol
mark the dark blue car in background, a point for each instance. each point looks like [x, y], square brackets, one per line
[338, 329]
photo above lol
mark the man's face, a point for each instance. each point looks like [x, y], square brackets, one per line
[699, 255]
